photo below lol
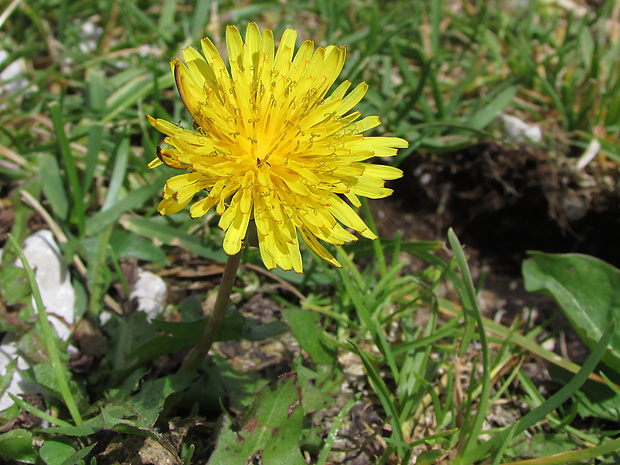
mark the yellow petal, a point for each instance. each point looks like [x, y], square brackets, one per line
[251, 51]
[317, 248]
[234, 44]
[201, 207]
[382, 171]
[345, 214]
[353, 98]
[235, 234]
[285, 49]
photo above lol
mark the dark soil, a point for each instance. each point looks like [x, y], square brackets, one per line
[504, 201]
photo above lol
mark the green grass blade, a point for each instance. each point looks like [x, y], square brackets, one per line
[384, 395]
[474, 431]
[53, 187]
[38, 413]
[376, 244]
[135, 199]
[200, 18]
[69, 165]
[366, 314]
[333, 431]
[95, 136]
[151, 229]
[47, 330]
[118, 172]
[166, 17]
[486, 115]
[96, 271]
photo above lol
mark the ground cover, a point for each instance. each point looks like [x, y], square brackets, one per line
[443, 341]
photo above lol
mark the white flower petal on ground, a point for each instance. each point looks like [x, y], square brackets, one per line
[150, 292]
[11, 81]
[17, 385]
[519, 131]
[53, 279]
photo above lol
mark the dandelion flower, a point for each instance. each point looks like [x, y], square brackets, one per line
[270, 146]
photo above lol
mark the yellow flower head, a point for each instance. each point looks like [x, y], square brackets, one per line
[269, 145]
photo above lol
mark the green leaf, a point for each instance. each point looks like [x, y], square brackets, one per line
[104, 218]
[428, 457]
[17, 445]
[486, 115]
[267, 431]
[305, 327]
[118, 172]
[593, 400]
[598, 401]
[181, 335]
[150, 400]
[98, 274]
[5, 380]
[70, 166]
[541, 445]
[135, 416]
[586, 289]
[222, 384]
[76, 457]
[14, 284]
[55, 452]
[133, 91]
[157, 229]
[96, 90]
[53, 186]
[46, 376]
[318, 386]
[125, 335]
[129, 245]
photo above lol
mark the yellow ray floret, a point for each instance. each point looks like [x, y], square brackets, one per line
[271, 146]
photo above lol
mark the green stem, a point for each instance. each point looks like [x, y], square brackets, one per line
[200, 350]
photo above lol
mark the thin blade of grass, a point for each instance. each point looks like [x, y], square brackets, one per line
[476, 427]
[95, 136]
[376, 244]
[48, 337]
[118, 172]
[384, 396]
[96, 271]
[366, 315]
[333, 431]
[102, 219]
[39, 413]
[200, 18]
[486, 115]
[69, 165]
[53, 187]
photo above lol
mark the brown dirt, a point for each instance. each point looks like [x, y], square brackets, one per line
[504, 201]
